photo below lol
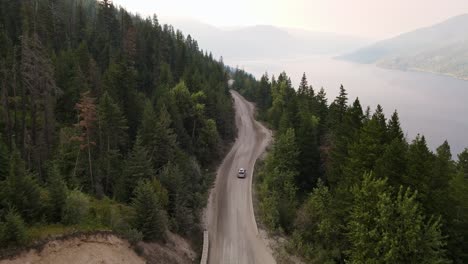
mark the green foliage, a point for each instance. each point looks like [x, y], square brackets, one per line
[309, 154]
[150, 218]
[392, 164]
[152, 99]
[112, 122]
[348, 218]
[120, 82]
[157, 135]
[137, 167]
[133, 236]
[21, 191]
[388, 229]
[458, 230]
[12, 230]
[208, 143]
[4, 160]
[76, 208]
[420, 168]
[57, 194]
[185, 200]
[364, 152]
[278, 183]
[394, 129]
[317, 233]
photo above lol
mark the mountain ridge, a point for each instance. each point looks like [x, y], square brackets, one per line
[266, 41]
[441, 48]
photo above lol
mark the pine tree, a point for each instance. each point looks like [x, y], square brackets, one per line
[443, 171]
[120, 82]
[207, 144]
[57, 193]
[364, 152]
[321, 110]
[137, 167]
[394, 128]
[309, 157]
[113, 138]
[13, 230]
[303, 86]
[458, 221]
[281, 170]
[338, 139]
[462, 163]
[264, 94]
[338, 109]
[21, 190]
[38, 80]
[3, 160]
[157, 135]
[112, 123]
[150, 218]
[354, 117]
[420, 168]
[393, 163]
[384, 228]
[317, 225]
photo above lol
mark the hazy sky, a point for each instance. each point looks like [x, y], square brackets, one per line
[367, 18]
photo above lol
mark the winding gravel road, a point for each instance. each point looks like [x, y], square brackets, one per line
[233, 233]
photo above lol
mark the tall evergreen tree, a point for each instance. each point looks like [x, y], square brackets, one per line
[3, 160]
[309, 155]
[137, 167]
[318, 227]
[393, 163]
[157, 135]
[338, 109]
[420, 168]
[113, 138]
[21, 191]
[458, 221]
[13, 230]
[394, 128]
[279, 181]
[367, 149]
[303, 86]
[57, 193]
[338, 139]
[150, 218]
[388, 229]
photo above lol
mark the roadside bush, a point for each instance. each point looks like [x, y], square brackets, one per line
[132, 235]
[13, 230]
[76, 208]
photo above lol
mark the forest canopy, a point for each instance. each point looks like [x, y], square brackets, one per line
[345, 184]
[107, 120]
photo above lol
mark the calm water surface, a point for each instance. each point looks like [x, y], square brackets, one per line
[429, 104]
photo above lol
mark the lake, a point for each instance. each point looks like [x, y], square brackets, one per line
[429, 104]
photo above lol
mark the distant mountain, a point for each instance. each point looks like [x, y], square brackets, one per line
[442, 48]
[263, 41]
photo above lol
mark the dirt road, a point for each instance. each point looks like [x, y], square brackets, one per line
[233, 233]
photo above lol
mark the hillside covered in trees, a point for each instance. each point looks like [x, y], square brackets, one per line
[107, 121]
[346, 186]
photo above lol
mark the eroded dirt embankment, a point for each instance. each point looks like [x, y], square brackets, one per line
[105, 249]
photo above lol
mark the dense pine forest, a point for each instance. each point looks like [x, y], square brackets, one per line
[108, 121]
[346, 186]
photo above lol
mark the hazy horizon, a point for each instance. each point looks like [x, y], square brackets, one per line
[362, 18]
